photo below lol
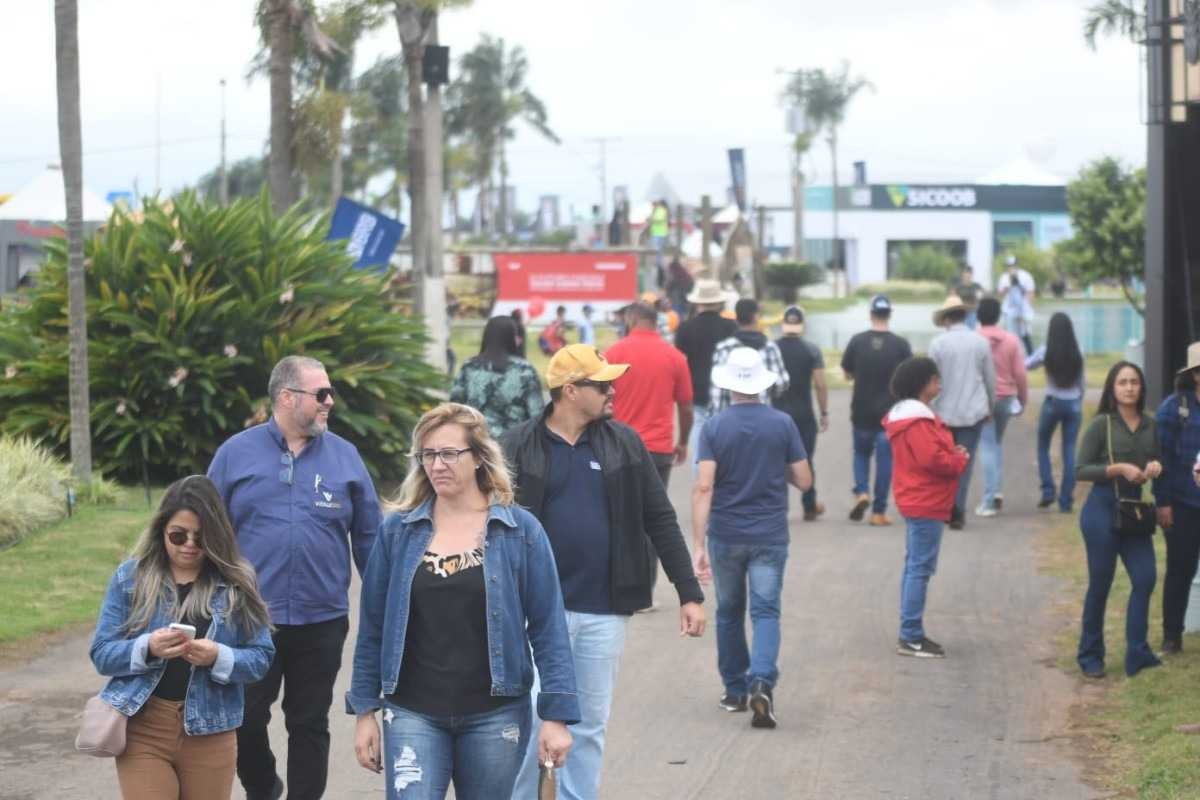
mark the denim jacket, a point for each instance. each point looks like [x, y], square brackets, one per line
[524, 607]
[214, 697]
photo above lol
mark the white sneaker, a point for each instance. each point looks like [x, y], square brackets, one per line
[986, 511]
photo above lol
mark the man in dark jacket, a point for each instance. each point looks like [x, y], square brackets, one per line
[806, 371]
[697, 339]
[593, 486]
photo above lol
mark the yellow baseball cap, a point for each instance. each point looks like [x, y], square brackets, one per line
[581, 362]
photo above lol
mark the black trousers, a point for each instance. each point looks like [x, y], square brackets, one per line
[307, 660]
[1183, 549]
[808, 437]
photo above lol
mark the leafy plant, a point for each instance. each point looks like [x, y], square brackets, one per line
[188, 310]
[904, 291]
[925, 262]
[33, 489]
[786, 278]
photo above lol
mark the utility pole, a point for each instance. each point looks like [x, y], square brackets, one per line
[223, 186]
[836, 258]
[706, 238]
[433, 284]
[603, 169]
[157, 133]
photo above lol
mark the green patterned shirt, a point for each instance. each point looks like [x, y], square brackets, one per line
[505, 397]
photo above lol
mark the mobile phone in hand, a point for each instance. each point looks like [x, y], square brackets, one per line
[184, 628]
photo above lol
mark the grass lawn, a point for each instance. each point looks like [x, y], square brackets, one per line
[1131, 746]
[56, 577]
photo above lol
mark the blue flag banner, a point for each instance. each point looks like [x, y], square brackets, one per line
[371, 237]
[737, 171]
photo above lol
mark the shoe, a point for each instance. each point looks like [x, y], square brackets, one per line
[275, 793]
[998, 502]
[1045, 503]
[1095, 673]
[880, 520]
[732, 702]
[860, 507]
[1066, 509]
[816, 511]
[957, 522]
[762, 704]
[986, 510]
[926, 648]
[1171, 647]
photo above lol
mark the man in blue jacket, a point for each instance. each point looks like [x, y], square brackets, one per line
[300, 499]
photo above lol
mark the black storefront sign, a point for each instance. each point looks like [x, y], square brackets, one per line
[958, 197]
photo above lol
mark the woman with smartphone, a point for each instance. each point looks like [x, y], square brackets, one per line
[461, 583]
[181, 630]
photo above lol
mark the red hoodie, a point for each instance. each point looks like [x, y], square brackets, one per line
[925, 464]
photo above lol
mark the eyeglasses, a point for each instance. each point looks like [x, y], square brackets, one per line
[600, 386]
[287, 474]
[180, 538]
[323, 394]
[448, 456]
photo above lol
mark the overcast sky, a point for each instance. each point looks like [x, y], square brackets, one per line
[960, 89]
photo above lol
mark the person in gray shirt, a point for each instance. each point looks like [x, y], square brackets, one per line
[964, 360]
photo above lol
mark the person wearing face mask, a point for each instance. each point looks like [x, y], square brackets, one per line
[302, 502]
[461, 583]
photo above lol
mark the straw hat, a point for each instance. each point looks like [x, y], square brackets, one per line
[1193, 355]
[743, 372]
[706, 292]
[952, 303]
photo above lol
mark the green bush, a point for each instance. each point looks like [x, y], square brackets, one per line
[1038, 263]
[33, 489]
[925, 262]
[786, 278]
[188, 310]
[905, 291]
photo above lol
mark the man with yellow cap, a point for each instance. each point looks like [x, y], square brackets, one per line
[593, 486]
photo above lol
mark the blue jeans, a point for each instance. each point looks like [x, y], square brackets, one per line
[1069, 414]
[1104, 545]
[596, 643]
[922, 541]
[479, 753]
[734, 566]
[700, 416]
[991, 453]
[968, 436]
[866, 442]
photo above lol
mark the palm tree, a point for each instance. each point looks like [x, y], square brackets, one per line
[70, 143]
[490, 96]
[1124, 18]
[824, 97]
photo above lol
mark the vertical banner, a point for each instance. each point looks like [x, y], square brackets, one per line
[737, 170]
[371, 237]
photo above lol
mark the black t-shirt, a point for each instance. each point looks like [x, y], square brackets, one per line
[800, 358]
[870, 358]
[697, 339]
[445, 670]
[174, 682]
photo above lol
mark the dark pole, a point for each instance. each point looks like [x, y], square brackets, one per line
[1157, 215]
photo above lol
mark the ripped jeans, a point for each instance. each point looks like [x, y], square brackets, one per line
[480, 753]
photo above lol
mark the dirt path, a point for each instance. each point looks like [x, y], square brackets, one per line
[856, 721]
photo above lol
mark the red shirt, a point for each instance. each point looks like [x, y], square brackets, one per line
[657, 379]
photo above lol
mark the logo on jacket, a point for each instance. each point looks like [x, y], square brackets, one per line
[328, 502]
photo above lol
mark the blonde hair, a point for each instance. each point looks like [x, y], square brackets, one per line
[492, 476]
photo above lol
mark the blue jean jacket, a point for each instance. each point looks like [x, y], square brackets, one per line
[524, 603]
[214, 698]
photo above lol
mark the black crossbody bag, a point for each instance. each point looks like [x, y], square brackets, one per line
[1132, 517]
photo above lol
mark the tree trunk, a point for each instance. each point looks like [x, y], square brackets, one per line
[454, 215]
[838, 275]
[336, 174]
[412, 45]
[502, 214]
[70, 143]
[797, 212]
[279, 169]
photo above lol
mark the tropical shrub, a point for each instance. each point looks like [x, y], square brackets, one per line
[189, 306]
[904, 291]
[925, 262]
[786, 278]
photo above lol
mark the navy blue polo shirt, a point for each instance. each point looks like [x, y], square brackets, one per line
[575, 516]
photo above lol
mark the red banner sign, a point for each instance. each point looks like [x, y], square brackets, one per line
[559, 277]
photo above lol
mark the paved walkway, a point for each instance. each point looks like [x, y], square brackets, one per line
[856, 721]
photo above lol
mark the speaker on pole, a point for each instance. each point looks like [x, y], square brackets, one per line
[435, 65]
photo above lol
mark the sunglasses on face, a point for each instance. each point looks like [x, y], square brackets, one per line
[287, 474]
[600, 386]
[448, 456]
[179, 538]
[323, 395]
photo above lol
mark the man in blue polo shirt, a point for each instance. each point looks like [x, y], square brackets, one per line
[749, 453]
[300, 499]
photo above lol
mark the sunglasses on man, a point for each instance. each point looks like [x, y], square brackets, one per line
[323, 394]
[600, 386]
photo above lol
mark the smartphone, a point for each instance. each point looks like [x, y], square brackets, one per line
[188, 630]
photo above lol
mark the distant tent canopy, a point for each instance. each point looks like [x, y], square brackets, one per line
[44, 199]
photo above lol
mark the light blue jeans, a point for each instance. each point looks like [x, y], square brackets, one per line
[736, 567]
[869, 442]
[991, 452]
[1069, 414]
[596, 643]
[479, 753]
[922, 542]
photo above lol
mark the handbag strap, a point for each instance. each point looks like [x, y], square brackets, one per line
[1108, 421]
[1141, 489]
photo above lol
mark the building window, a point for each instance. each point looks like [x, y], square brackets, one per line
[1009, 233]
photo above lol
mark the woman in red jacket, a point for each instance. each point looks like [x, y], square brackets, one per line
[926, 465]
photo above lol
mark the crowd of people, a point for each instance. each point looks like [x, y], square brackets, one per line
[498, 583]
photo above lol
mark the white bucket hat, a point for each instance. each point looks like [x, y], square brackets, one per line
[743, 372]
[706, 292]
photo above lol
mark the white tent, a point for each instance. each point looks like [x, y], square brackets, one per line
[43, 199]
[1020, 172]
